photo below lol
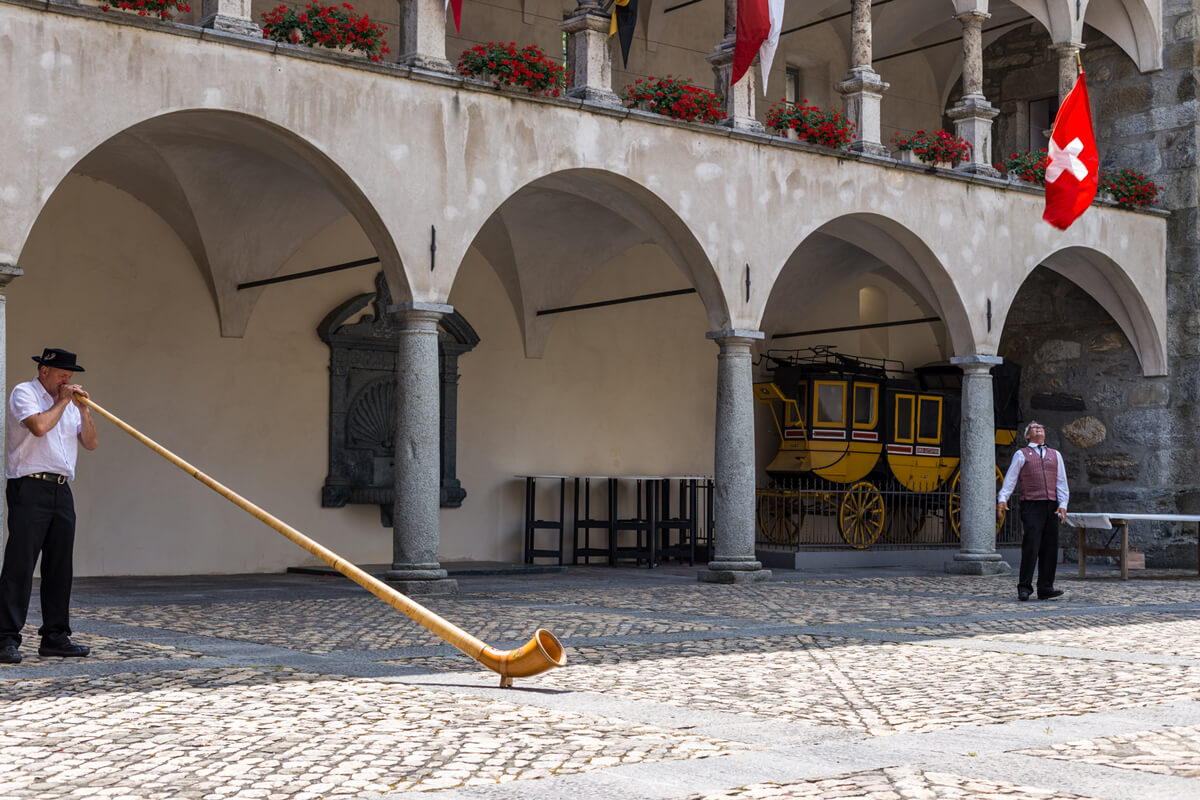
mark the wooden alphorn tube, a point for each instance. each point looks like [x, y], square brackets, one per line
[539, 654]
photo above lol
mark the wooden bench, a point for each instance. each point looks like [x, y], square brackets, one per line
[1120, 522]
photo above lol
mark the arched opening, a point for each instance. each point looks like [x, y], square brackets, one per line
[598, 363]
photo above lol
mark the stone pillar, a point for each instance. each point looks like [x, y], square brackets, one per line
[415, 540]
[739, 98]
[7, 273]
[423, 35]
[1068, 66]
[589, 60]
[733, 558]
[862, 89]
[974, 114]
[230, 16]
[977, 471]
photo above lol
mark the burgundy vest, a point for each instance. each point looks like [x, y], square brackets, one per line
[1039, 476]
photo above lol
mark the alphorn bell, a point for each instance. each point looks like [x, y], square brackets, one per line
[539, 654]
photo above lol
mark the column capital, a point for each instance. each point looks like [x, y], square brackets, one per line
[8, 272]
[976, 359]
[735, 333]
[441, 309]
[587, 16]
[1066, 48]
[973, 17]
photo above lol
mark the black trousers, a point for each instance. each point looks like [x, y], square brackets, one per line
[1039, 547]
[41, 521]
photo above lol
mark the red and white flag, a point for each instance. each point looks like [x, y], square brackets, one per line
[1073, 168]
[766, 52]
[753, 28]
[457, 6]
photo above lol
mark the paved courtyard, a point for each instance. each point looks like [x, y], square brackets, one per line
[882, 684]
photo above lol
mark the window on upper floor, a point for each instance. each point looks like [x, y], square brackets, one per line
[1041, 117]
[792, 85]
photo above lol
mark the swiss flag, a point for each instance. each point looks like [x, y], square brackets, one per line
[753, 28]
[1072, 170]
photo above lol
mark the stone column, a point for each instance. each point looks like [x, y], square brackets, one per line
[7, 273]
[589, 60]
[1068, 66]
[739, 98]
[423, 35]
[974, 114]
[733, 558]
[977, 471]
[231, 16]
[415, 540]
[862, 89]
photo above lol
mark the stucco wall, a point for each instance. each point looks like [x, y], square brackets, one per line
[626, 389]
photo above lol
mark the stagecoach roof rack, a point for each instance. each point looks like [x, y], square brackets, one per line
[826, 356]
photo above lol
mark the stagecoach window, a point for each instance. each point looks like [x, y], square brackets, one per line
[929, 419]
[904, 418]
[831, 403]
[797, 412]
[864, 405]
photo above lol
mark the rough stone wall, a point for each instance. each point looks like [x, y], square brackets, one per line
[1130, 442]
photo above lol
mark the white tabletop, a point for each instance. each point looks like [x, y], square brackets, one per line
[1105, 519]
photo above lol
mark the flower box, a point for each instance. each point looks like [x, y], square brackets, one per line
[800, 121]
[507, 67]
[147, 9]
[328, 26]
[675, 98]
[939, 148]
[1128, 187]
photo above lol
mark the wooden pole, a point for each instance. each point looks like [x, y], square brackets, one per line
[539, 654]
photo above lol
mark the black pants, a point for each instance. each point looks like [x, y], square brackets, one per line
[41, 521]
[1039, 547]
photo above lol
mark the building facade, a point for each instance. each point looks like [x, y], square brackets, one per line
[156, 168]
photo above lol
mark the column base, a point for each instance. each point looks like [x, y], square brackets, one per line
[738, 573]
[743, 124]
[869, 148]
[436, 587]
[236, 25]
[598, 96]
[418, 61]
[967, 564]
[978, 169]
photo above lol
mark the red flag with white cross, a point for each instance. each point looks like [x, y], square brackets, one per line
[1073, 167]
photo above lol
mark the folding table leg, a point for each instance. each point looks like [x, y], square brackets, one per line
[1083, 552]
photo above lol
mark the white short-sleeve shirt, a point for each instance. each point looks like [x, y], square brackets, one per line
[56, 451]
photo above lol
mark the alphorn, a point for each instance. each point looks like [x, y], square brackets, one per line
[539, 654]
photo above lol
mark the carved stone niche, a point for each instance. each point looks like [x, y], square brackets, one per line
[362, 402]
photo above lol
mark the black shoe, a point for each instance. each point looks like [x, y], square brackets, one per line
[9, 654]
[1050, 595]
[67, 649]
[1022, 595]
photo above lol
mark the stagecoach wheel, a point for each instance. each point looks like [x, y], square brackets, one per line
[954, 505]
[780, 517]
[861, 515]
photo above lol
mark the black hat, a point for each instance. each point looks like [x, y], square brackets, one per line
[58, 359]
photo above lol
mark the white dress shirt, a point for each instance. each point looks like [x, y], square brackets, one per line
[56, 451]
[1014, 471]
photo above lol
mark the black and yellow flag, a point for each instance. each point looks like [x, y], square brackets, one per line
[624, 20]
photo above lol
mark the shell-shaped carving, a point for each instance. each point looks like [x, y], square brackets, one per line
[371, 420]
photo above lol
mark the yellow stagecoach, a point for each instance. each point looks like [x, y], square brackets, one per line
[859, 429]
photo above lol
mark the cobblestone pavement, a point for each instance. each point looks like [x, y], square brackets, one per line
[882, 684]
